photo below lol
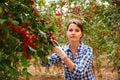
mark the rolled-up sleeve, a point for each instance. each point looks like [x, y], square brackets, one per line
[52, 59]
[83, 65]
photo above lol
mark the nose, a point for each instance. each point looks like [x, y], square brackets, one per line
[73, 32]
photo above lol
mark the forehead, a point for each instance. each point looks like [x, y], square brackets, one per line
[73, 26]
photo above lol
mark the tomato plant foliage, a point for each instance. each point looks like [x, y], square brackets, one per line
[26, 26]
[24, 34]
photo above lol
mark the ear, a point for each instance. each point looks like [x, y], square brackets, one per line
[82, 35]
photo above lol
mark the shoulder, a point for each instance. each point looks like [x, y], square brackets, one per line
[86, 47]
[87, 50]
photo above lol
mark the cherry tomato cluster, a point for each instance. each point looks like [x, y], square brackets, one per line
[58, 23]
[75, 10]
[52, 37]
[94, 7]
[28, 39]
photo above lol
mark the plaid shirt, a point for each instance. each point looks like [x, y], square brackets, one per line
[82, 63]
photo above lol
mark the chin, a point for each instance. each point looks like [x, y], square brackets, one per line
[73, 40]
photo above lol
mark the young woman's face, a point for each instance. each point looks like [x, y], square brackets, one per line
[74, 33]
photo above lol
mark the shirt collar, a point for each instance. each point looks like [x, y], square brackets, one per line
[79, 47]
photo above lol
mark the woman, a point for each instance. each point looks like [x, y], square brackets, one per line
[76, 57]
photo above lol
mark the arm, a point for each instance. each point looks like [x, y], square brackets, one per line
[69, 63]
[52, 59]
[64, 57]
[82, 66]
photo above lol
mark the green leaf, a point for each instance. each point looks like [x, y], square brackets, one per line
[32, 49]
[24, 71]
[118, 63]
[24, 6]
[2, 21]
[42, 33]
[70, 0]
[24, 62]
[45, 60]
[15, 22]
[41, 2]
[35, 57]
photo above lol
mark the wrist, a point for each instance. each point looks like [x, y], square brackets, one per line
[61, 54]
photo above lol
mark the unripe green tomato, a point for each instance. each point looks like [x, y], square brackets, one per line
[1, 10]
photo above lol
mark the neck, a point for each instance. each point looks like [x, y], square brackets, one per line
[74, 46]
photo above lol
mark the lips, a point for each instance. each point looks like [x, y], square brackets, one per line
[72, 37]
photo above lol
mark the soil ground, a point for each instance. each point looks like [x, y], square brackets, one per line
[55, 72]
[52, 73]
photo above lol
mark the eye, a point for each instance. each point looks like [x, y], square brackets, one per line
[77, 30]
[70, 30]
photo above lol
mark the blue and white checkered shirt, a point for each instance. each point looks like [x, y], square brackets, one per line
[82, 63]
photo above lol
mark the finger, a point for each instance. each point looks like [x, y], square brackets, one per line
[56, 43]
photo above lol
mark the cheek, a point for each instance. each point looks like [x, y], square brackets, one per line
[67, 34]
[81, 35]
